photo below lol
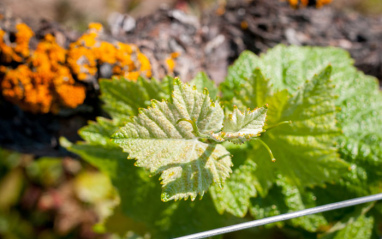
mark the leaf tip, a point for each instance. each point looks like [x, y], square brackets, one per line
[201, 195]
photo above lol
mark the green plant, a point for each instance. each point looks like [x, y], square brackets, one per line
[323, 127]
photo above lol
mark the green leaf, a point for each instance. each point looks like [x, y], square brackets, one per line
[304, 149]
[361, 117]
[289, 67]
[362, 228]
[284, 197]
[238, 189]
[202, 81]
[253, 91]
[99, 132]
[123, 97]
[363, 177]
[358, 95]
[237, 73]
[164, 145]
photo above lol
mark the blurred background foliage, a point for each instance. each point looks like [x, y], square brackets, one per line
[52, 198]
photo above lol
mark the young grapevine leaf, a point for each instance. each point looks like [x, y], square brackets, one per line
[240, 127]
[249, 123]
[163, 144]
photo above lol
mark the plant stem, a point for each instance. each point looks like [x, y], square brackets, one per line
[195, 129]
[278, 124]
[268, 149]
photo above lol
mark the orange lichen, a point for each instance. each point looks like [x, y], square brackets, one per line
[175, 55]
[170, 61]
[82, 62]
[89, 51]
[44, 80]
[305, 3]
[170, 64]
[70, 95]
[23, 35]
[124, 63]
[43, 84]
[294, 3]
[95, 26]
[133, 75]
[244, 25]
[145, 66]
[321, 3]
[18, 88]
[220, 10]
[15, 51]
[15, 78]
[6, 51]
[106, 52]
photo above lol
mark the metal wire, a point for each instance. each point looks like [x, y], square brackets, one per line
[283, 217]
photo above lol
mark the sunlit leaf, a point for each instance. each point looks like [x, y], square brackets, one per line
[162, 144]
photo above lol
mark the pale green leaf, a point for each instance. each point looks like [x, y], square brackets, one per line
[162, 144]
